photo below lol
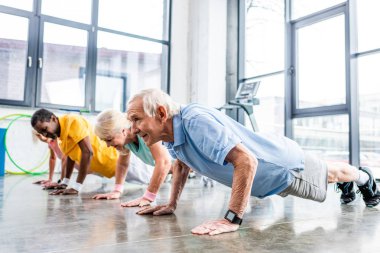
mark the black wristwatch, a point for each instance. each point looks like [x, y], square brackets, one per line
[232, 217]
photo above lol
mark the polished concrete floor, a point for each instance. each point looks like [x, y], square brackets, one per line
[33, 221]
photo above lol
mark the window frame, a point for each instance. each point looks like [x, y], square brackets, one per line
[30, 76]
[32, 89]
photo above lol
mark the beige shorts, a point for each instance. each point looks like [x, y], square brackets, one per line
[310, 183]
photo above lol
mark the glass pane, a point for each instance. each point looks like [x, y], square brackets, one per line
[264, 37]
[270, 113]
[74, 10]
[326, 136]
[367, 18]
[369, 106]
[302, 8]
[63, 81]
[321, 64]
[19, 4]
[143, 17]
[109, 92]
[13, 56]
[138, 60]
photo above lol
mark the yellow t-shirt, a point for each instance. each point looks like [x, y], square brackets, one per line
[75, 128]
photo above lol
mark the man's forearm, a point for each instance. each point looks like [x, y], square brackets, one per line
[84, 166]
[241, 186]
[245, 165]
[69, 167]
[180, 174]
[64, 167]
[52, 161]
[51, 168]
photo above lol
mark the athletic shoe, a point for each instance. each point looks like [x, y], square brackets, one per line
[370, 191]
[348, 193]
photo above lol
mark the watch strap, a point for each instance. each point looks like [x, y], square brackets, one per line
[232, 217]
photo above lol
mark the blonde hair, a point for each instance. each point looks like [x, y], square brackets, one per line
[110, 122]
[152, 98]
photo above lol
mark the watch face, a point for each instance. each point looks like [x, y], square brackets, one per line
[230, 216]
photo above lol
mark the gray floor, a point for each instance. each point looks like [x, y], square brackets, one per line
[33, 221]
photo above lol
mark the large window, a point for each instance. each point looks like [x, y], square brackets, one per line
[82, 55]
[320, 63]
[64, 54]
[301, 8]
[368, 80]
[368, 18]
[369, 111]
[138, 61]
[264, 37]
[263, 58]
[332, 76]
[19, 4]
[79, 11]
[143, 17]
[325, 136]
[111, 91]
[13, 55]
[269, 114]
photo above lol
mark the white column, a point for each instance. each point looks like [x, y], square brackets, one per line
[198, 62]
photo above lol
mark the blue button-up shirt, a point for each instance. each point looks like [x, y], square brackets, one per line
[204, 136]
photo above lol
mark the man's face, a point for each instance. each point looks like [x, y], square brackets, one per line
[49, 129]
[149, 128]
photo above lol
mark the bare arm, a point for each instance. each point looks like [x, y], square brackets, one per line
[161, 168]
[69, 167]
[84, 166]
[47, 182]
[69, 170]
[245, 166]
[180, 174]
[52, 161]
[63, 166]
[122, 167]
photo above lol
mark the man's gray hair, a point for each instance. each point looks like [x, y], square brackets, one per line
[152, 98]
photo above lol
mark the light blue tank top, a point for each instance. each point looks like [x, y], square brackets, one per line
[141, 151]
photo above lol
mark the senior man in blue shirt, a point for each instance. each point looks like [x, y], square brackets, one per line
[253, 164]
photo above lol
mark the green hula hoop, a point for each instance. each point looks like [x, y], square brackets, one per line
[13, 115]
[6, 117]
[30, 172]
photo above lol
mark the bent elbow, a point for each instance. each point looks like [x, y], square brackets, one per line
[252, 164]
[167, 164]
[87, 153]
